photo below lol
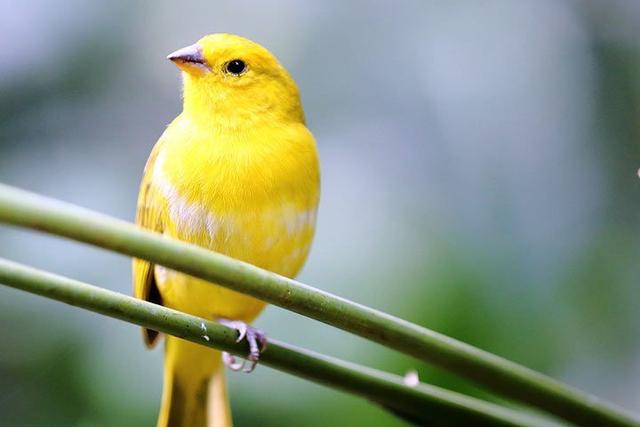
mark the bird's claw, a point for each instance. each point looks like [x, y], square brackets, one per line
[257, 344]
[238, 325]
[229, 361]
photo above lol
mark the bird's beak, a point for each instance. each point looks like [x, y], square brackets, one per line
[189, 59]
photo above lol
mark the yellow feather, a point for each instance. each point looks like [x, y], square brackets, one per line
[237, 172]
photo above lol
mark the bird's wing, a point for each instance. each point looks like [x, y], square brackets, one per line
[148, 215]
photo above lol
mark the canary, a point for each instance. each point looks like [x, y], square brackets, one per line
[236, 172]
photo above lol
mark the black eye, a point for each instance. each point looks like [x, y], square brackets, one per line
[236, 66]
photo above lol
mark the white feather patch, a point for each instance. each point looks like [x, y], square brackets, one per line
[193, 217]
[161, 274]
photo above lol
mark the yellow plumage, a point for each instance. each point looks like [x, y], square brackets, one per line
[236, 172]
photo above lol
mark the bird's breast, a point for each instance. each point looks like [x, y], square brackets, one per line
[246, 211]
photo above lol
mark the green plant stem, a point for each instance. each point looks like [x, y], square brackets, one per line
[517, 382]
[422, 402]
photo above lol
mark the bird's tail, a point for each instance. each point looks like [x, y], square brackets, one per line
[194, 392]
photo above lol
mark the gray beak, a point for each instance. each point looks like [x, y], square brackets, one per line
[188, 55]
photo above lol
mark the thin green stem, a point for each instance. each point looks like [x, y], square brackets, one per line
[422, 402]
[510, 379]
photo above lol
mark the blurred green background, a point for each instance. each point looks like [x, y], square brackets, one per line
[479, 178]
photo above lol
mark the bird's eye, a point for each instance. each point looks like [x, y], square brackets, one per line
[236, 66]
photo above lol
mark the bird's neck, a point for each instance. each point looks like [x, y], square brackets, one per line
[222, 108]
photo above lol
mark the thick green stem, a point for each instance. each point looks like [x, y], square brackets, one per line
[422, 402]
[512, 380]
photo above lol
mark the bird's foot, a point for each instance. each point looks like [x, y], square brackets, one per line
[257, 344]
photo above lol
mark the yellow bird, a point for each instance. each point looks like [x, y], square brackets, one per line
[236, 172]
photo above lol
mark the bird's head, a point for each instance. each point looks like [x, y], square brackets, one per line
[230, 79]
